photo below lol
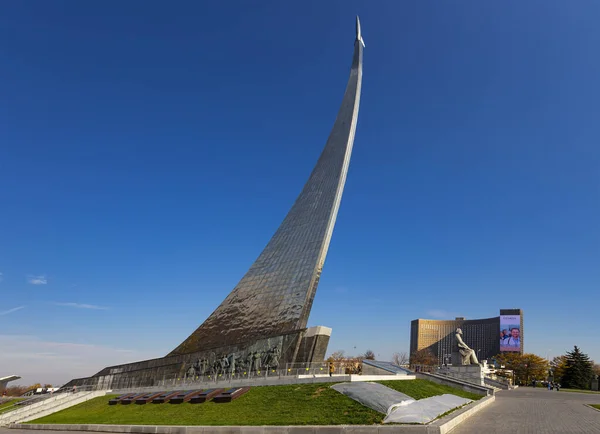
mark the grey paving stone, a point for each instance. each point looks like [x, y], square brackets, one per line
[404, 429]
[193, 430]
[301, 430]
[330, 430]
[537, 411]
[252, 430]
[227, 430]
[360, 429]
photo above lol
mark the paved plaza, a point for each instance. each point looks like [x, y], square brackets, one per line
[535, 411]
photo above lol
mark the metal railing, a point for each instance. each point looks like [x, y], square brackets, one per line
[28, 412]
[75, 389]
[244, 375]
[241, 376]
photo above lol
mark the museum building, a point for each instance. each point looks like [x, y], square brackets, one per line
[484, 336]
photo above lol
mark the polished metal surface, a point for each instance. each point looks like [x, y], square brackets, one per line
[276, 294]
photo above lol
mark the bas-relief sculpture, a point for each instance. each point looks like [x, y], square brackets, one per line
[467, 355]
[253, 361]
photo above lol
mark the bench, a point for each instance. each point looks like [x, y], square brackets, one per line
[164, 397]
[206, 395]
[184, 396]
[116, 400]
[147, 398]
[231, 394]
[132, 398]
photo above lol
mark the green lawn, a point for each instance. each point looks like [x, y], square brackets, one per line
[579, 391]
[420, 389]
[596, 406]
[302, 404]
[8, 406]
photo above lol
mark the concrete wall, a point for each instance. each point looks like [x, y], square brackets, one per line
[374, 370]
[469, 373]
[313, 345]
[467, 387]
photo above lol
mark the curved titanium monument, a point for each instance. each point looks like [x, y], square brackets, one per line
[262, 322]
[276, 294]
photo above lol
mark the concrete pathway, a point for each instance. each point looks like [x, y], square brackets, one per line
[535, 411]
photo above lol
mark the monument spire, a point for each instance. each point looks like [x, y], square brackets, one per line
[275, 296]
[358, 33]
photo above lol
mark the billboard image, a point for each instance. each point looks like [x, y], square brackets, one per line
[510, 332]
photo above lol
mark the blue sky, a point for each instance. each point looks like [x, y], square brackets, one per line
[148, 151]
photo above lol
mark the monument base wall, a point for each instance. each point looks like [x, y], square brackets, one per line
[271, 353]
[471, 373]
[313, 345]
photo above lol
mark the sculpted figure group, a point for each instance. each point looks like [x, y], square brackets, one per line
[254, 361]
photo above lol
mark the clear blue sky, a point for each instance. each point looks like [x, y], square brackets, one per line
[148, 151]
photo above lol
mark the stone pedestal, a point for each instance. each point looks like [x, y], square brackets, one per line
[455, 359]
[470, 373]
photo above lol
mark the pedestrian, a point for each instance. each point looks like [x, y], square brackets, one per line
[557, 386]
[331, 369]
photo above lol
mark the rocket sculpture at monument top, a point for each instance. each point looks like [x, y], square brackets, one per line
[358, 33]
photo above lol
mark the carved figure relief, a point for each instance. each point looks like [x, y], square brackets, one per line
[261, 355]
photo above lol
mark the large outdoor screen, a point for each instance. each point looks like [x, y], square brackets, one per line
[510, 332]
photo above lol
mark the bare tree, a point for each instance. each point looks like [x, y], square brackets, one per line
[400, 358]
[337, 356]
[348, 364]
[369, 355]
[423, 357]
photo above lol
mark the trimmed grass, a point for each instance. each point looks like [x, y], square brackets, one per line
[301, 404]
[596, 406]
[579, 391]
[8, 406]
[419, 389]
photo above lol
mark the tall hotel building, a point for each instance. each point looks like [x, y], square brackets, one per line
[482, 335]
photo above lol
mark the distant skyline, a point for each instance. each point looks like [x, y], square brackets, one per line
[148, 153]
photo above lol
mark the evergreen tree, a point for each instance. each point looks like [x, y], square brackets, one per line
[578, 370]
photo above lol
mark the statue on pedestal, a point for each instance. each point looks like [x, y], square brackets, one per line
[467, 355]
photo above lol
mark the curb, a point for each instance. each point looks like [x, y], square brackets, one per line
[593, 408]
[448, 423]
[441, 426]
